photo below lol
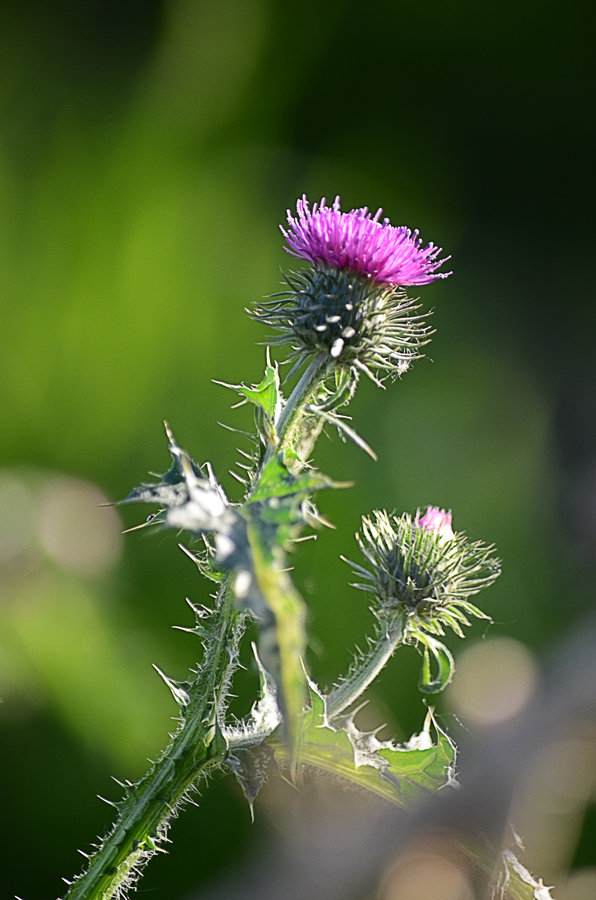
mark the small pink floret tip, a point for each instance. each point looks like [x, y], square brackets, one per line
[435, 519]
[358, 241]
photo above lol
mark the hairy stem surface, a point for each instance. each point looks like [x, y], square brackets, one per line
[365, 669]
[145, 811]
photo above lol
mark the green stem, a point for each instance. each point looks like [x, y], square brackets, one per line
[301, 394]
[295, 410]
[145, 811]
[366, 668]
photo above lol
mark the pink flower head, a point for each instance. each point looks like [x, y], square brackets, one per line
[435, 519]
[359, 242]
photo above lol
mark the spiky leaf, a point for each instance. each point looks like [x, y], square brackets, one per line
[171, 490]
[277, 481]
[400, 773]
[266, 394]
[267, 398]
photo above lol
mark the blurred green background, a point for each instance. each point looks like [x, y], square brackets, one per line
[148, 152]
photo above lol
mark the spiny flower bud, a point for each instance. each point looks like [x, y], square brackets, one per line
[350, 304]
[421, 568]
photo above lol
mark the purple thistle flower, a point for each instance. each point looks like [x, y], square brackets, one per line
[359, 242]
[349, 305]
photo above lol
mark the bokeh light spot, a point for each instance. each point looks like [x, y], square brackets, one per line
[427, 871]
[76, 528]
[494, 680]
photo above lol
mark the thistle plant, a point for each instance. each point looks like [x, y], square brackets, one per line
[344, 314]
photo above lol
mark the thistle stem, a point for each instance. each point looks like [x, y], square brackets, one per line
[145, 811]
[301, 395]
[366, 668]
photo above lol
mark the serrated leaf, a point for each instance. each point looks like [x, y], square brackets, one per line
[414, 769]
[249, 756]
[193, 500]
[250, 766]
[277, 481]
[399, 773]
[518, 882]
[172, 489]
[266, 394]
[164, 494]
